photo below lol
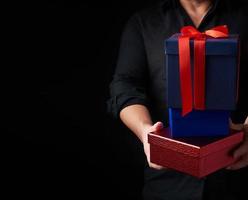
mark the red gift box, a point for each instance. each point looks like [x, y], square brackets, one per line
[195, 156]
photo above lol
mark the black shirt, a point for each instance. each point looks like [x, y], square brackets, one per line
[140, 79]
[140, 73]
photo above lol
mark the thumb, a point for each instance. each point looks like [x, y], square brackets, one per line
[157, 126]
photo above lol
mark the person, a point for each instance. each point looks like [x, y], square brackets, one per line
[138, 89]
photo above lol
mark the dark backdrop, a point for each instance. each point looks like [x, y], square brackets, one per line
[65, 144]
[62, 141]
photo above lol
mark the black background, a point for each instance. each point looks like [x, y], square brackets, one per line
[62, 143]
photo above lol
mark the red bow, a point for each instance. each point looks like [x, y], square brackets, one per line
[188, 32]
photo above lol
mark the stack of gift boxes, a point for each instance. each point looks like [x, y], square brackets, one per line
[202, 83]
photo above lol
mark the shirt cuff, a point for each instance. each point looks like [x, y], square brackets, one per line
[116, 104]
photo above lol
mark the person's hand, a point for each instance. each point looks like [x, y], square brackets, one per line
[241, 153]
[156, 127]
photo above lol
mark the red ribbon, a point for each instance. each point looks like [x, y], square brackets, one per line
[187, 33]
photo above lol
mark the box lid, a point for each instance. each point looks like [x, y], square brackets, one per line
[194, 146]
[218, 46]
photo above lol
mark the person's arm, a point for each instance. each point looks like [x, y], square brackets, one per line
[241, 153]
[240, 116]
[129, 100]
[137, 118]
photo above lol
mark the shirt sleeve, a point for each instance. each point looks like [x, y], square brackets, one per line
[129, 82]
[240, 114]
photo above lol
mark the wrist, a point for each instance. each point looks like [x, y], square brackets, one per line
[144, 130]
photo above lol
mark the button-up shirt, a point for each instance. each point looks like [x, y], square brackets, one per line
[140, 79]
[140, 72]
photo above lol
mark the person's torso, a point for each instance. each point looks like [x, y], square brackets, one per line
[161, 22]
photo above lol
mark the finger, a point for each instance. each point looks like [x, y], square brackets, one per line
[154, 166]
[158, 126]
[237, 127]
[242, 150]
[239, 164]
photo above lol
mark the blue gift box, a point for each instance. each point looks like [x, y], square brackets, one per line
[221, 72]
[199, 123]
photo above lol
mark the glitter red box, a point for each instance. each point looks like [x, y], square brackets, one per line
[195, 156]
